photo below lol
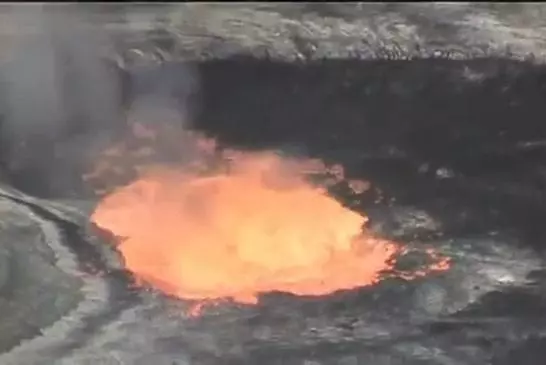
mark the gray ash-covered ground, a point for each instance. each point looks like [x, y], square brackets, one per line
[455, 145]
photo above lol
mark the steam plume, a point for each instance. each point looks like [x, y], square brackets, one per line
[63, 100]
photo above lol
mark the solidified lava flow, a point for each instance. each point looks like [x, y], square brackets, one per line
[250, 225]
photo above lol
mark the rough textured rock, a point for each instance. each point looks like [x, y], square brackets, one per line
[39, 278]
[303, 31]
[310, 31]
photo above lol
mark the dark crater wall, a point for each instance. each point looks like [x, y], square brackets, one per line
[473, 115]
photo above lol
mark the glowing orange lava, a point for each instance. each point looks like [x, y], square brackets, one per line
[257, 228]
[253, 225]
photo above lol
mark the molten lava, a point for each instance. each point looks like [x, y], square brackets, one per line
[251, 224]
[258, 227]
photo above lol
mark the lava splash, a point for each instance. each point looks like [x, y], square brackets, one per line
[255, 226]
[227, 224]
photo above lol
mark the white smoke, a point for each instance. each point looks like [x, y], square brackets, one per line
[60, 97]
[63, 100]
